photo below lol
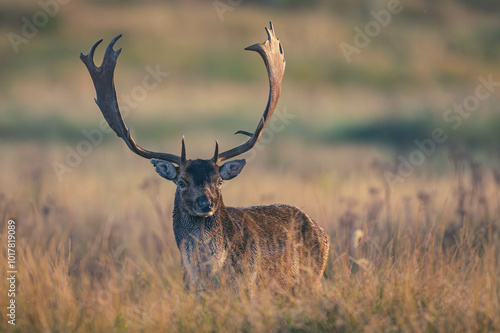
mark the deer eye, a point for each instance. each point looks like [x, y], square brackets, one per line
[181, 183]
[220, 183]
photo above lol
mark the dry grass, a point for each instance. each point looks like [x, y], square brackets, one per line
[96, 251]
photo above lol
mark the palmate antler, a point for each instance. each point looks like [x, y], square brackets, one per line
[270, 51]
[107, 102]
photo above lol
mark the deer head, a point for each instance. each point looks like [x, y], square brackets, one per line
[198, 181]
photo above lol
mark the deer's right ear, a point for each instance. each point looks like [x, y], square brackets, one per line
[165, 169]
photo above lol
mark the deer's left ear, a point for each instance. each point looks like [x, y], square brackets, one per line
[165, 169]
[231, 169]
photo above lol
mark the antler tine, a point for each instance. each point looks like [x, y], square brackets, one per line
[183, 152]
[272, 53]
[106, 98]
[91, 52]
[215, 159]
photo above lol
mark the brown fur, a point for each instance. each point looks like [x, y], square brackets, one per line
[273, 245]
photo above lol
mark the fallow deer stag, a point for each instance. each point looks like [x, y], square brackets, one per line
[274, 245]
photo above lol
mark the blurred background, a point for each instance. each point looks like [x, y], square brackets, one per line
[395, 88]
[386, 134]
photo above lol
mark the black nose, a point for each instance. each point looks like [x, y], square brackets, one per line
[204, 204]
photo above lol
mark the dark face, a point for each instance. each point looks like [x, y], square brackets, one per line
[199, 185]
[199, 182]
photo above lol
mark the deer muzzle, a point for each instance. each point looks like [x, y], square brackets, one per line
[203, 206]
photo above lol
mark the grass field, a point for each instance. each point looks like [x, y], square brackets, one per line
[95, 245]
[96, 251]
